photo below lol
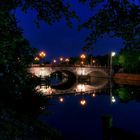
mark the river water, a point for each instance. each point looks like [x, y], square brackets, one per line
[99, 110]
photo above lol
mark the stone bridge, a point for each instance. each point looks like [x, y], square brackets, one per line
[77, 70]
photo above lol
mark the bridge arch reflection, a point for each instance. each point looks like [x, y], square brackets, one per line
[66, 79]
[77, 88]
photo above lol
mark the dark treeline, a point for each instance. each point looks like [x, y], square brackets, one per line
[19, 103]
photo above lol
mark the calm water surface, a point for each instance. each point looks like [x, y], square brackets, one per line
[95, 112]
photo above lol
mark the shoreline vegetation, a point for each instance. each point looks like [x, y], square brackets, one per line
[127, 78]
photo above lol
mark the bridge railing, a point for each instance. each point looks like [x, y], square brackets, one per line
[70, 65]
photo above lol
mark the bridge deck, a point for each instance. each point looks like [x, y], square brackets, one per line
[68, 65]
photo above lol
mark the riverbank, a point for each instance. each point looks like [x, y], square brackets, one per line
[125, 78]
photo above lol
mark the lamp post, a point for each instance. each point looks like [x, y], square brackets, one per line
[93, 61]
[42, 54]
[111, 55]
[83, 57]
[67, 60]
[54, 61]
[61, 60]
[36, 58]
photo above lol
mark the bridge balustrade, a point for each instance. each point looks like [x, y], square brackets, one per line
[70, 65]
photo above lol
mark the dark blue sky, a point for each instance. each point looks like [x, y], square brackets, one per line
[60, 40]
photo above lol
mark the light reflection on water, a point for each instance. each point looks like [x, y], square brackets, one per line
[93, 109]
[77, 88]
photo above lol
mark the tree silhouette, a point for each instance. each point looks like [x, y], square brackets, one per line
[117, 18]
[18, 99]
[50, 11]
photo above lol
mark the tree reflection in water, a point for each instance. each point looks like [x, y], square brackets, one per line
[18, 117]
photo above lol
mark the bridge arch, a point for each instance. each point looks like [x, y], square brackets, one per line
[77, 70]
[68, 79]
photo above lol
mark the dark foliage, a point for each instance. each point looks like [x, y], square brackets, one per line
[50, 11]
[117, 18]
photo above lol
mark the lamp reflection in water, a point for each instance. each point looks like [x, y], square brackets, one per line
[112, 98]
[83, 102]
[93, 95]
[46, 90]
[42, 72]
[80, 88]
[61, 99]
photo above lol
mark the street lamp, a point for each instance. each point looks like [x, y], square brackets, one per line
[93, 61]
[61, 59]
[42, 54]
[83, 57]
[36, 58]
[54, 61]
[67, 60]
[111, 55]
